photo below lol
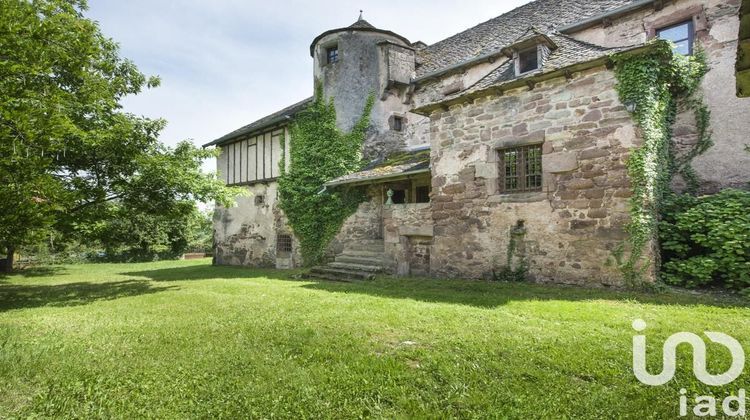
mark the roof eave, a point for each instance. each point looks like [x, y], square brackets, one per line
[377, 178]
[426, 110]
[273, 125]
[349, 29]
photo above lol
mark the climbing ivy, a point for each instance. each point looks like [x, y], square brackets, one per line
[655, 82]
[320, 152]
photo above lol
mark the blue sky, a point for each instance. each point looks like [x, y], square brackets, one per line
[226, 63]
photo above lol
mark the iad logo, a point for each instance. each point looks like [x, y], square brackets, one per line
[705, 405]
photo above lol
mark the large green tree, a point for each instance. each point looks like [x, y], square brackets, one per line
[66, 146]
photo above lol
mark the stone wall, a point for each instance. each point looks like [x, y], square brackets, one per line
[407, 232]
[726, 164]
[574, 224]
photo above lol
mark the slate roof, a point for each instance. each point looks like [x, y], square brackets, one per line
[569, 52]
[360, 25]
[398, 164]
[268, 120]
[493, 35]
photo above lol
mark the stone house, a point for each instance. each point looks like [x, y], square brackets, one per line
[505, 141]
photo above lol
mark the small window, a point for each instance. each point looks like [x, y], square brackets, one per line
[422, 194]
[521, 169]
[332, 54]
[528, 60]
[681, 35]
[260, 200]
[284, 243]
[398, 123]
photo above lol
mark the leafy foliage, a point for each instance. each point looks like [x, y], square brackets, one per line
[706, 241]
[319, 153]
[66, 147]
[654, 82]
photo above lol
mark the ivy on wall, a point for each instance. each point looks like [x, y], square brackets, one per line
[320, 152]
[655, 82]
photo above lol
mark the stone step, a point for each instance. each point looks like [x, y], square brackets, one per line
[374, 245]
[368, 260]
[362, 254]
[367, 268]
[339, 274]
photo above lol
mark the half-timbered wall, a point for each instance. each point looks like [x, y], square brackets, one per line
[253, 159]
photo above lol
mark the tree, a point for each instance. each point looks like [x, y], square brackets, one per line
[66, 146]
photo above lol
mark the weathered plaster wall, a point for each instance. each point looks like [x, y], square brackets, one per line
[246, 234]
[726, 164]
[574, 224]
[435, 90]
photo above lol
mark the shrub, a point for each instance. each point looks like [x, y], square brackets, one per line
[706, 241]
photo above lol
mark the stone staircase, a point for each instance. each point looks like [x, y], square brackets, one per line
[361, 260]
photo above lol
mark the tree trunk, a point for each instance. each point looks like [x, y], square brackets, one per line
[6, 265]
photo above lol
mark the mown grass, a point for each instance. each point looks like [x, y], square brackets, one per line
[184, 339]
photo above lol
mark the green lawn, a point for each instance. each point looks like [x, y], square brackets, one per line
[184, 339]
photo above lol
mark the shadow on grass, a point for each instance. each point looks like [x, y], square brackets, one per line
[488, 294]
[34, 272]
[16, 296]
[483, 294]
[207, 272]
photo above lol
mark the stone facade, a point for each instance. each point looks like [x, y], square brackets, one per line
[465, 98]
[575, 222]
[726, 164]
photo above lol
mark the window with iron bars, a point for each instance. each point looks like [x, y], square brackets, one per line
[283, 243]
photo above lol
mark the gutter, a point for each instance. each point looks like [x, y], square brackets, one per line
[592, 21]
[573, 27]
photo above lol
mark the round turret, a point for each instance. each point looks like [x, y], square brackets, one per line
[349, 65]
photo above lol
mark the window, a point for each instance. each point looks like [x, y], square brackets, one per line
[521, 169]
[260, 200]
[681, 34]
[528, 60]
[422, 194]
[398, 123]
[283, 243]
[332, 54]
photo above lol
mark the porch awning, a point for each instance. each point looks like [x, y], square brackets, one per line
[402, 164]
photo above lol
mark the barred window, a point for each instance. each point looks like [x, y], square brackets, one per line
[521, 169]
[332, 54]
[283, 243]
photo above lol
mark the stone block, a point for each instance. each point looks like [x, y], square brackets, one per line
[559, 162]
[580, 184]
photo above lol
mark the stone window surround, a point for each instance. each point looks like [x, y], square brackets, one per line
[542, 51]
[323, 52]
[392, 121]
[493, 159]
[695, 12]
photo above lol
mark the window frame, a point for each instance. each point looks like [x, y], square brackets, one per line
[691, 33]
[521, 171]
[535, 50]
[332, 58]
[284, 243]
[398, 123]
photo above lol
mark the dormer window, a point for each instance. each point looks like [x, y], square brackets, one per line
[528, 60]
[332, 54]
[681, 35]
